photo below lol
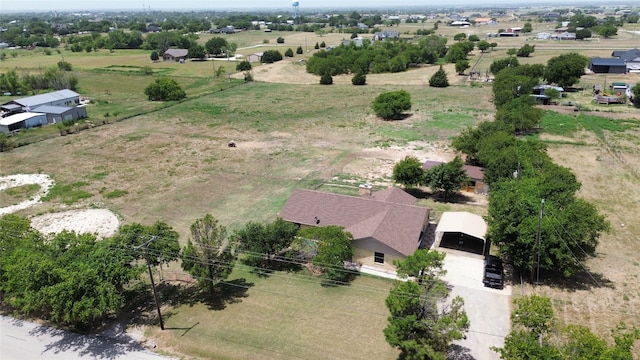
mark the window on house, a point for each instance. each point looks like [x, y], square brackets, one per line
[378, 257]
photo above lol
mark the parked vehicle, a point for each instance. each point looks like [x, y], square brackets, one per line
[493, 272]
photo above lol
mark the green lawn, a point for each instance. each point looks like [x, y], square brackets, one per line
[284, 316]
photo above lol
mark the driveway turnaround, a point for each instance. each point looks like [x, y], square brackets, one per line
[488, 309]
[25, 340]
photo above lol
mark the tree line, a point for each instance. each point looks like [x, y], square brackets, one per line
[80, 281]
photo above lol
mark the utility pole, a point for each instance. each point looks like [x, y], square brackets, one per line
[538, 241]
[153, 285]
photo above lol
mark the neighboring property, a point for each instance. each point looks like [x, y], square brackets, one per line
[386, 34]
[630, 57]
[483, 21]
[564, 36]
[543, 36]
[255, 57]
[475, 174]
[154, 29]
[386, 225]
[22, 121]
[58, 114]
[607, 66]
[175, 55]
[64, 97]
[356, 41]
[461, 231]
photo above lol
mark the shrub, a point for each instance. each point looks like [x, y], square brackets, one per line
[271, 56]
[359, 79]
[299, 50]
[288, 53]
[326, 79]
[243, 65]
[164, 89]
[64, 65]
[317, 46]
[390, 105]
[439, 79]
[280, 40]
[154, 56]
[323, 45]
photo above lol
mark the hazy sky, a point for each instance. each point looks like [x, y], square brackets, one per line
[50, 5]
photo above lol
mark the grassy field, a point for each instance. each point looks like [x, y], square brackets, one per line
[170, 162]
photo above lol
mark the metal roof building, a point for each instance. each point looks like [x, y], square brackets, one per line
[64, 97]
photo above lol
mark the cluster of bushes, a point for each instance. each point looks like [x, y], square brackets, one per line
[55, 78]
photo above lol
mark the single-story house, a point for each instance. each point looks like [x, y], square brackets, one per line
[461, 23]
[543, 36]
[154, 28]
[475, 174]
[386, 34]
[175, 55]
[461, 231]
[482, 21]
[540, 89]
[22, 121]
[607, 66]
[386, 225]
[564, 36]
[255, 57]
[64, 97]
[58, 114]
[508, 34]
[631, 58]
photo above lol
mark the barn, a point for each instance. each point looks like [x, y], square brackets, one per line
[58, 114]
[64, 97]
[22, 121]
[608, 66]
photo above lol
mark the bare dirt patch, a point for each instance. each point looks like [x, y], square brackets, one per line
[101, 222]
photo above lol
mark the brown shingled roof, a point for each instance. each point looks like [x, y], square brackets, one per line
[394, 224]
[474, 172]
[394, 195]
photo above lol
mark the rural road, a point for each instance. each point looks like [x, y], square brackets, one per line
[25, 340]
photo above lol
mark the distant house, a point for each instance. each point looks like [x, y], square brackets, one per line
[386, 225]
[255, 57]
[607, 66]
[543, 36]
[482, 21]
[630, 57]
[154, 28]
[64, 97]
[475, 174]
[22, 121]
[386, 34]
[58, 114]
[175, 55]
[461, 23]
[362, 26]
[356, 41]
[564, 36]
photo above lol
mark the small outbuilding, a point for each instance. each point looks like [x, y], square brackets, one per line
[58, 114]
[607, 66]
[461, 231]
[22, 121]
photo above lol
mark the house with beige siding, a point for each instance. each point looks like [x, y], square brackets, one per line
[386, 225]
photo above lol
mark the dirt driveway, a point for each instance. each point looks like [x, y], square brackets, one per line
[488, 309]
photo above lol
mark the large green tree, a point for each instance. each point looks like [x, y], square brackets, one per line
[209, 255]
[409, 172]
[163, 241]
[334, 247]
[448, 177]
[439, 78]
[566, 69]
[215, 45]
[390, 105]
[70, 279]
[261, 242]
[164, 89]
[422, 324]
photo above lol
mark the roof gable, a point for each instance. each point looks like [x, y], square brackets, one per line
[394, 195]
[396, 225]
[177, 52]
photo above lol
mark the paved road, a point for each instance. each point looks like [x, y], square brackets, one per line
[25, 340]
[489, 310]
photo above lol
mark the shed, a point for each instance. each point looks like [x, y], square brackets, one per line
[608, 66]
[22, 121]
[475, 173]
[58, 114]
[255, 57]
[461, 231]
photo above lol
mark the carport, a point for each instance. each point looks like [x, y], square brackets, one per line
[461, 231]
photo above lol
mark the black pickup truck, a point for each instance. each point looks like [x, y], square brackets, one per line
[493, 272]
